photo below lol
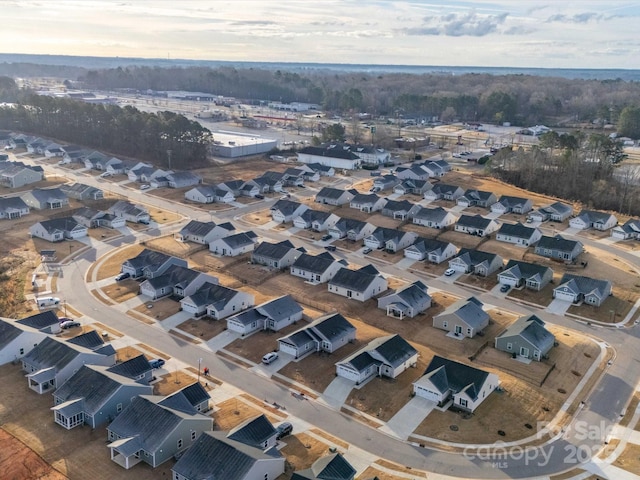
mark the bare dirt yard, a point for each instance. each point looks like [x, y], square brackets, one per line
[630, 458]
[229, 414]
[204, 328]
[301, 450]
[27, 416]
[122, 291]
[113, 263]
[159, 309]
[18, 461]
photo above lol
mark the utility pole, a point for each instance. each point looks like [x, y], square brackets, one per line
[169, 152]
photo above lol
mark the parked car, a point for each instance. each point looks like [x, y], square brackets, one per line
[122, 276]
[331, 248]
[143, 221]
[284, 429]
[260, 197]
[366, 250]
[47, 301]
[505, 288]
[106, 174]
[449, 271]
[326, 237]
[157, 362]
[270, 358]
[69, 324]
[146, 186]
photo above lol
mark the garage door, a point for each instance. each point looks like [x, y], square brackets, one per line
[618, 235]
[413, 255]
[289, 349]
[347, 373]
[562, 295]
[189, 308]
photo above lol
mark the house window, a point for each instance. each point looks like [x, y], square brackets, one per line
[445, 324]
[119, 408]
[509, 346]
[179, 443]
[463, 402]
[193, 435]
[22, 351]
[469, 330]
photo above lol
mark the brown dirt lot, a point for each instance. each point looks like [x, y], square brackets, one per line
[302, 450]
[159, 309]
[163, 216]
[630, 458]
[172, 382]
[112, 265]
[204, 327]
[27, 416]
[231, 413]
[171, 246]
[122, 291]
[372, 472]
[29, 465]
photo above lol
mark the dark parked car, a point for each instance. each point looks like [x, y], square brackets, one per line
[260, 197]
[331, 248]
[156, 363]
[326, 237]
[122, 276]
[283, 430]
[505, 288]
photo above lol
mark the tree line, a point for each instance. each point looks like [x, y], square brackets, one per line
[519, 99]
[573, 167]
[124, 131]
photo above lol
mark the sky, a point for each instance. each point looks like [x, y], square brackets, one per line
[499, 33]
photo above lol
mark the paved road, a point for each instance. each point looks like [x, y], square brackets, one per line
[602, 408]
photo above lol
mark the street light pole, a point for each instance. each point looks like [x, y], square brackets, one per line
[199, 364]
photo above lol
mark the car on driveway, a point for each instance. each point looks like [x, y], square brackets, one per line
[366, 250]
[122, 276]
[449, 271]
[326, 237]
[270, 358]
[146, 186]
[69, 324]
[505, 288]
[259, 197]
[331, 248]
[157, 363]
[284, 429]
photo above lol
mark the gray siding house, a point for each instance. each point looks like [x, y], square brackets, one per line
[517, 274]
[559, 247]
[407, 301]
[325, 334]
[527, 337]
[463, 318]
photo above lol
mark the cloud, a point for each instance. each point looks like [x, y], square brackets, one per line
[577, 18]
[520, 30]
[253, 22]
[458, 24]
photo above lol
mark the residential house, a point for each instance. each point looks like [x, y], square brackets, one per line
[176, 280]
[317, 220]
[151, 263]
[367, 202]
[284, 211]
[475, 261]
[16, 339]
[407, 301]
[49, 364]
[136, 368]
[517, 274]
[45, 322]
[99, 161]
[334, 196]
[592, 219]
[295, 177]
[361, 284]
[250, 189]
[353, 230]
[269, 182]
[256, 432]
[415, 187]
[389, 239]
[527, 337]
[387, 356]
[518, 234]
[385, 182]
[216, 301]
[130, 212]
[477, 198]
[183, 179]
[234, 245]
[436, 217]
[204, 232]
[233, 186]
[276, 255]
[556, 212]
[271, 315]
[412, 173]
[209, 194]
[137, 171]
[400, 209]
[476, 225]
[122, 168]
[630, 229]
[325, 334]
[13, 207]
[94, 396]
[334, 156]
[154, 429]
[509, 204]
[45, 198]
[463, 318]
[464, 386]
[80, 191]
[89, 217]
[158, 178]
[214, 455]
[442, 191]
[333, 467]
[58, 229]
[53, 150]
[17, 174]
[435, 251]
[559, 247]
[316, 268]
[576, 289]
[323, 170]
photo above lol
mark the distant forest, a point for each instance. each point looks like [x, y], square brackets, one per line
[519, 99]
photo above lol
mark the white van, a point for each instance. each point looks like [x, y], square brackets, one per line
[47, 301]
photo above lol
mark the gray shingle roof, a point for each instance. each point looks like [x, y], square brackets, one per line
[356, 280]
[331, 327]
[65, 224]
[240, 239]
[194, 227]
[210, 294]
[516, 230]
[414, 294]
[475, 257]
[585, 285]
[395, 350]
[510, 201]
[468, 310]
[447, 374]
[525, 270]
[330, 152]
[132, 368]
[40, 320]
[253, 432]
[174, 276]
[429, 245]
[8, 333]
[9, 203]
[436, 214]
[474, 221]
[273, 250]
[557, 243]
[286, 207]
[331, 467]
[330, 192]
[90, 340]
[215, 457]
[147, 258]
[477, 195]
[532, 329]
[280, 307]
[314, 263]
[51, 353]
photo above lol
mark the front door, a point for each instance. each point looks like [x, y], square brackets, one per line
[458, 330]
[524, 352]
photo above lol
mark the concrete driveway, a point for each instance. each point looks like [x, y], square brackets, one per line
[558, 307]
[403, 423]
[405, 263]
[268, 370]
[222, 340]
[337, 392]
